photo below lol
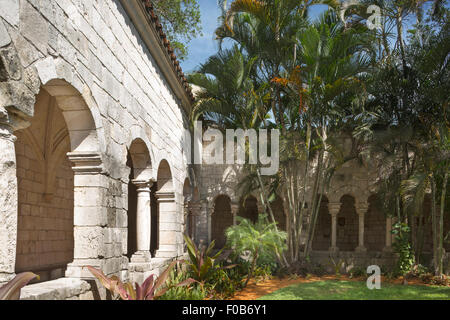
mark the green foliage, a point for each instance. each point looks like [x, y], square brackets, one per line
[201, 262]
[192, 292]
[182, 22]
[337, 265]
[357, 272]
[11, 290]
[402, 247]
[260, 239]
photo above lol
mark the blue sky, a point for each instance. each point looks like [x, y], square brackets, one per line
[202, 48]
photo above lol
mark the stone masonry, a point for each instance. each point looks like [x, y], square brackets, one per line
[93, 112]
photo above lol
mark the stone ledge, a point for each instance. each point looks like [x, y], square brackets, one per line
[59, 289]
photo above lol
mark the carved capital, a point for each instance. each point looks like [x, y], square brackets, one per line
[86, 162]
[142, 185]
[361, 208]
[334, 207]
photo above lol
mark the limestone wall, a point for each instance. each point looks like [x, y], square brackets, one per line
[92, 60]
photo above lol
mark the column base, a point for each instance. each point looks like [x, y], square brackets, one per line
[141, 257]
[361, 249]
[388, 249]
[333, 249]
[165, 254]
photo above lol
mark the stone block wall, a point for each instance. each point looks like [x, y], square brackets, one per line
[104, 77]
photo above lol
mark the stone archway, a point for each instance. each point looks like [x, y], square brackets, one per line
[278, 212]
[45, 241]
[347, 224]
[58, 156]
[375, 226]
[322, 234]
[139, 199]
[221, 219]
[167, 242]
[249, 209]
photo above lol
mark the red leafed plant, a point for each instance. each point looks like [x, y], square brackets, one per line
[11, 290]
[151, 289]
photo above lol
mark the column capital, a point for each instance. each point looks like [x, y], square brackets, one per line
[334, 207]
[142, 185]
[361, 208]
[234, 208]
[86, 162]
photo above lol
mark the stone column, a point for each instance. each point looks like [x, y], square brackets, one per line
[143, 221]
[8, 200]
[388, 244]
[333, 209]
[195, 209]
[361, 209]
[90, 214]
[207, 212]
[234, 211]
[168, 224]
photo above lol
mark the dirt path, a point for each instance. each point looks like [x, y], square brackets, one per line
[259, 289]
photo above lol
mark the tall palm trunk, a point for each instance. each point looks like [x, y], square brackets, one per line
[441, 227]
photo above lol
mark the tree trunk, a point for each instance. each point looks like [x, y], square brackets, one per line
[441, 228]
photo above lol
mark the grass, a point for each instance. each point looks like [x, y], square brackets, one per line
[357, 290]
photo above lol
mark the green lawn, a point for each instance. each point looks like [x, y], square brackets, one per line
[357, 290]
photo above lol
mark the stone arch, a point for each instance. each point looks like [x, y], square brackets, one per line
[167, 224]
[79, 117]
[137, 133]
[139, 162]
[347, 224]
[322, 234]
[374, 226]
[278, 212]
[164, 177]
[360, 194]
[248, 208]
[62, 130]
[221, 219]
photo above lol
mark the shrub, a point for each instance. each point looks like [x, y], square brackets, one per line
[192, 292]
[403, 248]
[357, 272]
[201, 262]
[259, 239]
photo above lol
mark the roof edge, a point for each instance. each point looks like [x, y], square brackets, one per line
[146, 22]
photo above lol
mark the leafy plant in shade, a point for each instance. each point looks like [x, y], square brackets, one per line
[201, 262]
[151, 289]
[260, 238]
[11, 290]
[402, 247]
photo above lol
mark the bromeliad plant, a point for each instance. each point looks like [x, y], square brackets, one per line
[201, 261]
[151, 289]
[11, 290]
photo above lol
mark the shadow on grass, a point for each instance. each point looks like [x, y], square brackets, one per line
[357, 290]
